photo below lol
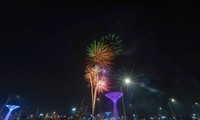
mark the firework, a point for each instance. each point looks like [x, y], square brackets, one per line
[98, 82]
[100, 54]
[103, 86]
[114, 42]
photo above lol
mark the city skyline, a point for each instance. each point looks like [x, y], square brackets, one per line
[43, 50]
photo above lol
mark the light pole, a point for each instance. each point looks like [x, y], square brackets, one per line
[54, 115]
[195, 110]
[197, 104]
[98, 100]
[126, 81]
[171, 100]
[74, 112]
[135, 112]
[160, 111]
[123, 105]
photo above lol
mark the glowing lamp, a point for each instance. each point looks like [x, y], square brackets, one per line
[127, 81]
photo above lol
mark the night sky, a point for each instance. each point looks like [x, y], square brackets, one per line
[43, 50]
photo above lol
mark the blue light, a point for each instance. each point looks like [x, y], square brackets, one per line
[11, 108]
[107, 113]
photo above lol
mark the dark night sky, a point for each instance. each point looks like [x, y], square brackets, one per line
[43, 49]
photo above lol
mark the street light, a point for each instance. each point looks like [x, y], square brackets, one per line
[171, 100]
[127, 81]
[123, 105]
[73, 110]
[195, 110]
[160, 112]
[197, 104]
[135, 112]
[98, 100]
[54, 115]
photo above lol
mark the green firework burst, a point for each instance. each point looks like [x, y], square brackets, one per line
[113, 41]
[99, 53]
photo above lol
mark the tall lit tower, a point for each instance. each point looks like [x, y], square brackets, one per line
[114, 96]
[11, 108]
